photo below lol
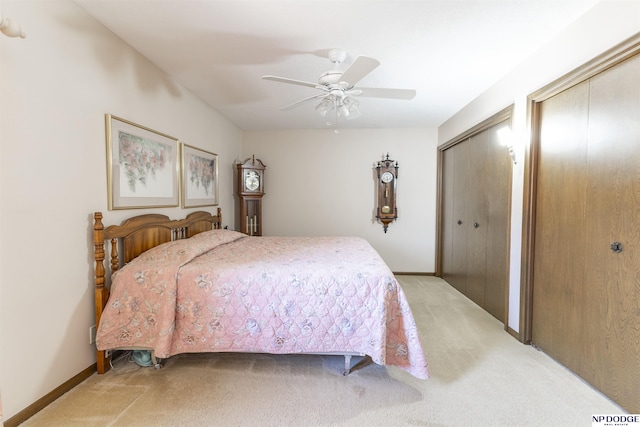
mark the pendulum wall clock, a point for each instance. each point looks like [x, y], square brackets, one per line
[250, 192]
[387, 175]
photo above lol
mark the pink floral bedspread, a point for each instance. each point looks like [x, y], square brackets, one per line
[221, 291]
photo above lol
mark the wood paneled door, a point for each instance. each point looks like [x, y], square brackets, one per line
[586, 264]
[475, 196]
[454, 247]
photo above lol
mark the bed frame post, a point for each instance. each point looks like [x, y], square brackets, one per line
[101, 291]
[136, 235]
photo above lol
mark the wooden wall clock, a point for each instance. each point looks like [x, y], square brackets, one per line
[386, 211]
[250, 192]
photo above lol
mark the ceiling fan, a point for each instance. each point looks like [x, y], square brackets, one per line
[338, 88]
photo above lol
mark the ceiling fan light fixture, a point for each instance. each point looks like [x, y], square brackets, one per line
[343, 111]
[352, 106]
[339, 87]
[354, 113]
[324, 107]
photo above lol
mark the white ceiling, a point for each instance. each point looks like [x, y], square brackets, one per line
[450, 51]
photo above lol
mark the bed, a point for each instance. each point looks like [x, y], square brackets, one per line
[189, 286]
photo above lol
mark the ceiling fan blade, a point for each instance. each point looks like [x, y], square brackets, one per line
[374, 92]
[362, 66]
[290, 81]
[302, 101]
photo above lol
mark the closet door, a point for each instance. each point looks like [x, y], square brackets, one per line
[448, 221]
[560, 244]
[612, 322]
[476, 185]
[455, 182]
[476, 216]
[586, 288]
[498, 225]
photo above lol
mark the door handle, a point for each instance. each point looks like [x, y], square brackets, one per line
[616, 247]
[459, 222]
[476, 225]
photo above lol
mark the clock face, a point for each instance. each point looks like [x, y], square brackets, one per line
[252, 181]
[386, 177]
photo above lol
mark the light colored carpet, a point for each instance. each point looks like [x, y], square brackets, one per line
[481, 376]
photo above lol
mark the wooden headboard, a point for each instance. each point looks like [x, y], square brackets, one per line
[134, 236]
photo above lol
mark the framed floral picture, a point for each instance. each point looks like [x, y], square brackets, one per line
[199, 177]
[142, 166]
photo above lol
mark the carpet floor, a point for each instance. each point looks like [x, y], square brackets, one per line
[480, 376]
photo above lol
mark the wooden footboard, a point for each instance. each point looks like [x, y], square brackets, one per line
[133, 237]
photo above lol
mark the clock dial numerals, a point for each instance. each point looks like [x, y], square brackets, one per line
[386, 177]
[252, 181]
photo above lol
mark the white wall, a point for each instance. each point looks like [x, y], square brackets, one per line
[607, 24]
[56, 86]
[322, 183]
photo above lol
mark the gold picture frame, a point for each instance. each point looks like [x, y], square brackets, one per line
[142, 166]
[199, 177]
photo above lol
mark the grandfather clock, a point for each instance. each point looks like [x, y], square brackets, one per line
[386, 211]
[250, 192]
